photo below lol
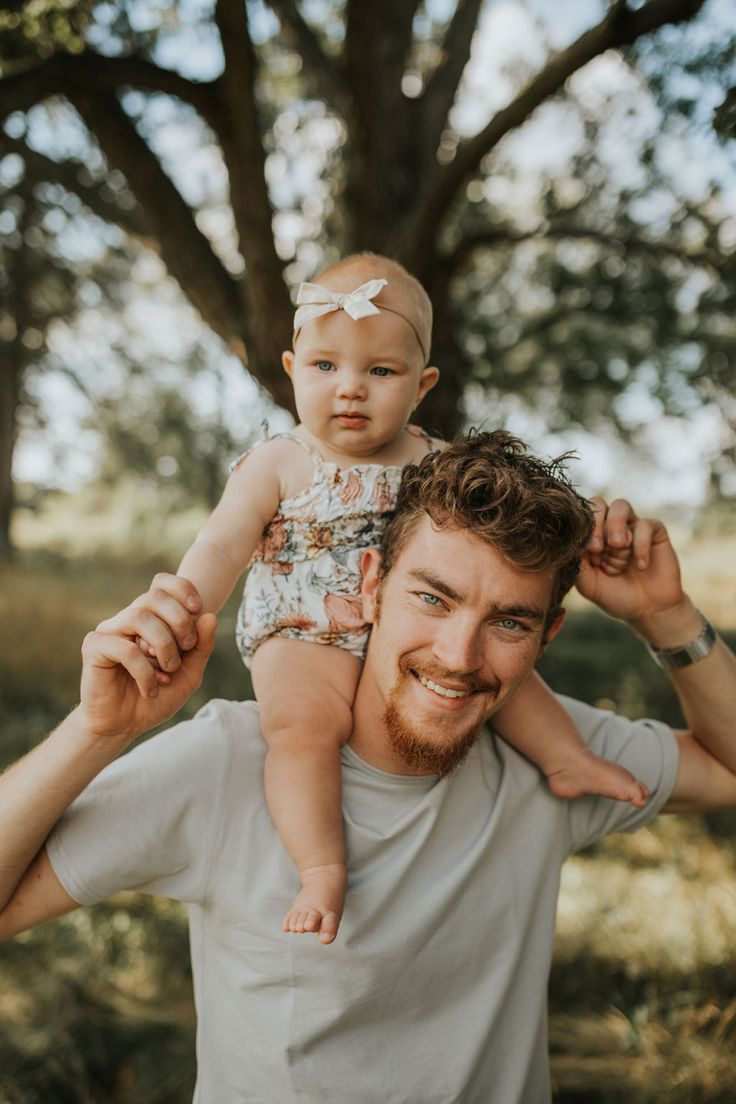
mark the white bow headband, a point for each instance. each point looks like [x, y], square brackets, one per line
[314, 300]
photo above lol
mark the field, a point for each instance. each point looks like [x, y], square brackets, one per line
[97, 1007]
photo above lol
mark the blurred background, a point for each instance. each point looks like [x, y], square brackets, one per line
[562, 178]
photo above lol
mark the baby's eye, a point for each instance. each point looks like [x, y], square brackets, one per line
[379, 370]
[325, 365]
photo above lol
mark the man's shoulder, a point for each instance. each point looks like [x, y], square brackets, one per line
[221, 729]
[597, 724]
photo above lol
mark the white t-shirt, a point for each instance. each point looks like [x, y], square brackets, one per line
[435, 990]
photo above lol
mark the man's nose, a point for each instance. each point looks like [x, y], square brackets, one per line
[351, 385]
[458, 646]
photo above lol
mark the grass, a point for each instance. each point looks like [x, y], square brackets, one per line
[97, 1006]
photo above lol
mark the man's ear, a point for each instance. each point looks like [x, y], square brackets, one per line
[427, 380]
[552, 631]
[370, 582]
[287, 359]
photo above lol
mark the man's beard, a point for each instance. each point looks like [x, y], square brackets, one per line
[448, 750]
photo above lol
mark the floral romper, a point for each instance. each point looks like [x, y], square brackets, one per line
[304, 578]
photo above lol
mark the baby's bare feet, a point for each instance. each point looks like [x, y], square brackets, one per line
[586, 773]
[318, 905]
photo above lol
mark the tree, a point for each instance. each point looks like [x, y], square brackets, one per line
[399, 179]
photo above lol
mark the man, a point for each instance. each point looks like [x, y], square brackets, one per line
[436, 989]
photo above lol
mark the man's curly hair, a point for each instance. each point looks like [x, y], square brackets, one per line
[489, 484]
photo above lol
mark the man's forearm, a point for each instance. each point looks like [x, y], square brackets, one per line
[36, 790]
[707, 687]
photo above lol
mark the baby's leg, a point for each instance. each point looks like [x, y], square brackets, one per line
[306, 693]
[535, 724]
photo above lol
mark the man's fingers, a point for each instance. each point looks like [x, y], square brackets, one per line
[101, 649]
[205, 627]
[195, 661]
[620, 518]
[644, 532]
[170, 609]
[161, 622]
[597, 540]
[181, 589]
[138, 621]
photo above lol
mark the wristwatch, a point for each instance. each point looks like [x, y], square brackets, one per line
[669, 659]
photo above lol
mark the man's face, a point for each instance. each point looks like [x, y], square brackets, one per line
[456, 630]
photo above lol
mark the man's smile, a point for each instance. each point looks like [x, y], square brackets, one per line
[444, 691]
[447, 688]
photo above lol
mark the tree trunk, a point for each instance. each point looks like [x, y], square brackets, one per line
[13, 360]
[9, 397]
[440, 412]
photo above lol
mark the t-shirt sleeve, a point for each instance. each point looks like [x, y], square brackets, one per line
[647, 748]
[150, 821]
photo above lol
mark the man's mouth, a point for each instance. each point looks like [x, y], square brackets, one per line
[443, 691]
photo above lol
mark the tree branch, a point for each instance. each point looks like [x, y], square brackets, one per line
[537, 326]
[67, 173]
[186, 252]
[620, 27]
[441, 88]
[496, 237]
[69, 74]
[321, 68]
[267, 307]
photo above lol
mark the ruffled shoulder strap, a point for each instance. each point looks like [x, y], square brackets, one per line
[315, 456]
[417, 431]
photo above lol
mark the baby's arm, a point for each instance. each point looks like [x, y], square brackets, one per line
[227, 540]
[535, 723]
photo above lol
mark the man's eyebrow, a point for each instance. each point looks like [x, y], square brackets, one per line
[437, 584]
[528, 613]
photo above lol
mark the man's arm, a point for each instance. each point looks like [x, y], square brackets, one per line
[122, 696]
[649, 596]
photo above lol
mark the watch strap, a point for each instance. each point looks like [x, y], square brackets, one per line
[669, 659]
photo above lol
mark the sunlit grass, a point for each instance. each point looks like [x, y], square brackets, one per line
[643, 984]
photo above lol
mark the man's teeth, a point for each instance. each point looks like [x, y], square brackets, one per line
[443, 690]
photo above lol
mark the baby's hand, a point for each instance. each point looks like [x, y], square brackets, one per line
[611, 545]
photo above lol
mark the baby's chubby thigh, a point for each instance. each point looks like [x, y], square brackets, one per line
[305, 691]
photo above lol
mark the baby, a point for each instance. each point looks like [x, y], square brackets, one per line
[301, 508]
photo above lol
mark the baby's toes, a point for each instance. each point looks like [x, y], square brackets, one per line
[328, 927]
[640, 796]
[312, 920]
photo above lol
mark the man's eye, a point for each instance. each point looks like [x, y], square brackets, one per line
[510, 624]
[325, 365]
[429, 599]
[379, 370]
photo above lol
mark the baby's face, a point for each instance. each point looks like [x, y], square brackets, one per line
[356, 383]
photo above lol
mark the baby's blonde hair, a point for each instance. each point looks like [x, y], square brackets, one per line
[416, 304]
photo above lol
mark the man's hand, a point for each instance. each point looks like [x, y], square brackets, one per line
[646, 586]
[610, 547]
[124, 693]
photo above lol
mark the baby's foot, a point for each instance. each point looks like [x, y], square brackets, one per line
[319, 904]
[586, 773]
